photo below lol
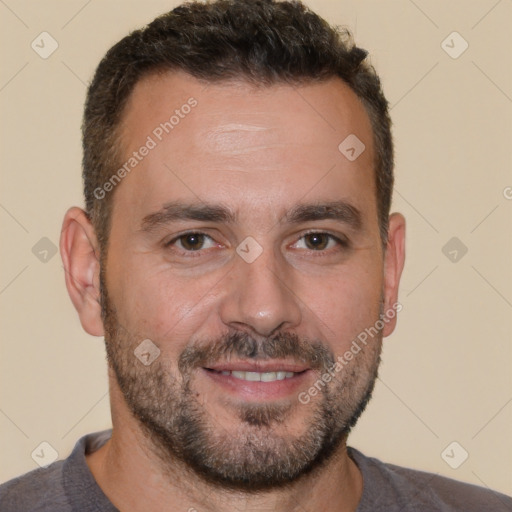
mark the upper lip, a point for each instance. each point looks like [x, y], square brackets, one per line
[258, 366]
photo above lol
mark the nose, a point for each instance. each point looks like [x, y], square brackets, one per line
[259, 298]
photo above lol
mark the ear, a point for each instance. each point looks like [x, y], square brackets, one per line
[394, 259]
[81, 259]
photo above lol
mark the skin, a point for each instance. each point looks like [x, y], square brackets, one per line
[259, 152]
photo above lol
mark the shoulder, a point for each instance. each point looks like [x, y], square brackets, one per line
[390, 487]
[41, 489]
[64, 486]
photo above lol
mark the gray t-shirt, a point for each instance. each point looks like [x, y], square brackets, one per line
[68, 486]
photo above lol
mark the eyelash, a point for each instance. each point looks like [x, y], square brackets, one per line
[342, 243]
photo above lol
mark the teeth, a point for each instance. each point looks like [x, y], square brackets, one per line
[259, 376]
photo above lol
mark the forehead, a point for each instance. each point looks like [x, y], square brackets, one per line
[232, 142]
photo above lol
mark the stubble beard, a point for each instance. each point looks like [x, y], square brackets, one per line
[252, 455]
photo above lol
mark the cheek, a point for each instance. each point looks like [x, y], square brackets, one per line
[156, 303]
[342, 305]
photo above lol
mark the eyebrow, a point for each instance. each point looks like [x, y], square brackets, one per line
[340, 211]
[183, 211]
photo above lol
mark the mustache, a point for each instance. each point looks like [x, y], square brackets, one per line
[240, 345]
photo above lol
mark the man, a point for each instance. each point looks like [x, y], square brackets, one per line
[237, 253]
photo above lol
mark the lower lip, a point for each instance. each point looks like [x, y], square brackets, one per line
[257, 390]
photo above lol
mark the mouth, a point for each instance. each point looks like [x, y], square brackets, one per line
[258, 376]
[262, 381]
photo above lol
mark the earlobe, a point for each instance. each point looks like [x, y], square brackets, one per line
[393, 266]
[80, 257]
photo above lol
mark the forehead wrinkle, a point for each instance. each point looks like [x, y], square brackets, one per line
[254, 149]
[235, 127]
[237, 139]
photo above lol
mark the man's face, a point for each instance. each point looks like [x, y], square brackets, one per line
[261, 266]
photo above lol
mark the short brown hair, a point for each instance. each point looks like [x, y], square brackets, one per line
[260, 41]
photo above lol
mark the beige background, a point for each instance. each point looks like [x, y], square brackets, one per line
[446, 373]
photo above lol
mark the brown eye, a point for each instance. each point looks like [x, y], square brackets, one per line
[317, 241]
[192, 241]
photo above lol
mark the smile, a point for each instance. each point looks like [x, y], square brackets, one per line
[259, 376]
[259, 380]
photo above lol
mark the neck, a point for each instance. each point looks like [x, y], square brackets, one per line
[133, 478]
